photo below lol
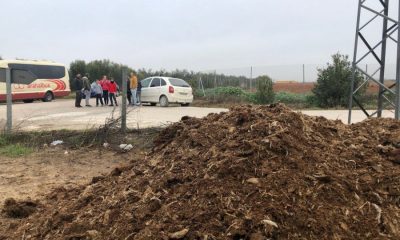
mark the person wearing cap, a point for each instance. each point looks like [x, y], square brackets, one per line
[86, 90]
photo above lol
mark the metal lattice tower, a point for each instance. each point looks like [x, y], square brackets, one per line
[388, 96]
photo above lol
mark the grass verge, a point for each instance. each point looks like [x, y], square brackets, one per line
[23, 143]
[15, 150]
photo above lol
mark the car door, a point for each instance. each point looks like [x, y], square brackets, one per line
[145, 90]
[163, 88]
[154, 90]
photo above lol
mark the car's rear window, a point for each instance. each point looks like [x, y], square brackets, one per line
[178, 82]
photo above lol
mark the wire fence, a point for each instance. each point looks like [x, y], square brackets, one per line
[245, 77]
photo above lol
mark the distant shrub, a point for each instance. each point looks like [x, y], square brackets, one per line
[298, 100]
[286, 97]
[229, 91]
[251, 97]
[222, 94]
[333, 84]
[265, 92]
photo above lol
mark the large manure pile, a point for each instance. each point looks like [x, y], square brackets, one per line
[250, 173]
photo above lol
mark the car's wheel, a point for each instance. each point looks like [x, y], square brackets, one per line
[185, 104]
[28, 100]
[48, 97]
[153, 104]
[164, 101]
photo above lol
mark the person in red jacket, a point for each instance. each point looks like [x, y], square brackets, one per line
[112, 90]
[104, 83]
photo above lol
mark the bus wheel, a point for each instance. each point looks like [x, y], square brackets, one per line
[28, 100]
[48, 97]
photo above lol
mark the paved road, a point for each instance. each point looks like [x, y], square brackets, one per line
[61, 114]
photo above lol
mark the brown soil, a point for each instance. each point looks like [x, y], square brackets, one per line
[250, 173]
[14, 209]
[293, 87]
[35, 175]
[298, 87]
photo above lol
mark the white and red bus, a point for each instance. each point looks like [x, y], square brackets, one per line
[33, 80]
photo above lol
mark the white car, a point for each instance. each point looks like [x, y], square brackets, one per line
[166, 90]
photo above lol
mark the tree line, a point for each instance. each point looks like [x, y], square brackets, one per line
[332, 87]
[98, 68]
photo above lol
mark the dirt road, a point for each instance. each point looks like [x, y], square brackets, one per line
[61, 114]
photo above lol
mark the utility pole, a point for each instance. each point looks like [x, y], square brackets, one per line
[397, 100]
[9, 100]
[383, 59]
[304, 74]
[123, 105]
[215, 78]
[380, 11]
[202, 86]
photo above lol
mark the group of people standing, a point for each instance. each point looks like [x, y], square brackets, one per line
[106, 89]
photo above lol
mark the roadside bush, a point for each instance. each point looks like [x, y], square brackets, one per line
[334, 81]
[290, 98]
[265, 93]
[222, 94]
[251, 97]
[3, 140]
[296, 100]
[312, 100]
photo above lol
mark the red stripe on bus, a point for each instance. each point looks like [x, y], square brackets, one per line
[60, 84]
[38, 95]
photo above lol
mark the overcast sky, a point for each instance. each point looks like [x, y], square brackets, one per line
[169, 34]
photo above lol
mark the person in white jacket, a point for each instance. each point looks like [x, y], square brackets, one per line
[98, 91]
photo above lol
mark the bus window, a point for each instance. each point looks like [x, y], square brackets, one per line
[41, 71]
[22, 77]
[2, 75]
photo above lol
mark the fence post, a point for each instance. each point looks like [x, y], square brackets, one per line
[123, 105]
[215, 78]
[9, 100]
[251, 77]
[202, 86]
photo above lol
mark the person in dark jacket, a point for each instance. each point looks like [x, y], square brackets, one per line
[128, 91]
[139, 93]
[86, 90]
[78, 84]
